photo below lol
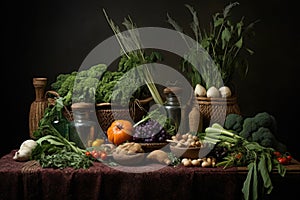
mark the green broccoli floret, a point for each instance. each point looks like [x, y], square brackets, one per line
[249, 127]
[264, 136]
[234, 122]
[262, 129]
[264, 119]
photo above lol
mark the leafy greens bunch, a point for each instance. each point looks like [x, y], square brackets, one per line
[99, 85]
[225, 43]
[58, 146]
[260, 161]
[79, 86]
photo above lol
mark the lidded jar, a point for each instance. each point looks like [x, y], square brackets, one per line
[85, 123]
[172, 105]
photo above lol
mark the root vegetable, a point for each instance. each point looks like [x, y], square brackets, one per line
[205, 164]
[187, 163]
[26, 148]
[195, 162]
[213, 162]
[213, 92]
[159, 156]
[225, 91]
[208, 162]
[200, 91]
[195, 120]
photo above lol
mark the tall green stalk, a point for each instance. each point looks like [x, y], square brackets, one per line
[131, 45]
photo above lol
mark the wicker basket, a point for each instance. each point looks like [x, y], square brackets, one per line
[216, 109]
[107, 113]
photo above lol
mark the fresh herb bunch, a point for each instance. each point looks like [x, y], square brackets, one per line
[259, 160]
[225, 43]
[128, 66]
[58, 147]
[134, 54]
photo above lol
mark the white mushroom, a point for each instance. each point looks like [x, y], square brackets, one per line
[225, 91]
[213, 92]
[200, 91]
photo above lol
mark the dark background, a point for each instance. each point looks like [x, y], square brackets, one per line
[46, 38]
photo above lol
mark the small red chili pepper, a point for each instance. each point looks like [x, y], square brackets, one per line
[87, 153]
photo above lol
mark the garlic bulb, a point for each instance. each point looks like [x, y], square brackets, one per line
[24, 153]
[200, 91]
[213, 92]
[225, 91]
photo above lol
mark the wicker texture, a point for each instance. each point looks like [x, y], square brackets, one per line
[106, 113]
[38, 106]
[216, 109]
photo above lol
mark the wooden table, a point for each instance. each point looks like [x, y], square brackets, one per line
[103, 182]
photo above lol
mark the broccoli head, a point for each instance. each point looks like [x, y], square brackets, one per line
[234, 122]
[262, 129]
[264, 119]
[249, 126]
[264, 136]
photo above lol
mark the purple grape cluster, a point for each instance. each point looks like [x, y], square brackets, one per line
[150, 131]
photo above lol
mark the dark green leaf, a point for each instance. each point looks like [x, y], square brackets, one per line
[218, 22]
[239, 43]
[247, 186]
[263, 169]
[226, 35]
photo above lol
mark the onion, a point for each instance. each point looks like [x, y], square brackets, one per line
[213, 92]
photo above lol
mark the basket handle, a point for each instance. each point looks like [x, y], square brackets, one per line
[57, 95]
[145, 101]
[136, 101]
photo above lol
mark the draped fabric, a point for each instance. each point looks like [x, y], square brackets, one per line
[26, 180]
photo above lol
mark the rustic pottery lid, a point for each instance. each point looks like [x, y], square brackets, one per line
[174, 90]
[82, 105]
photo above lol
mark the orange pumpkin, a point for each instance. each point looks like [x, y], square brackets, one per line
[120, 131]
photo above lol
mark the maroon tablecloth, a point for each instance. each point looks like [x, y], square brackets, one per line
[103, 182]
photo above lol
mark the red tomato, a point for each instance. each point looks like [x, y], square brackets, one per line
[277, 154]
[87, 153]
[103, 155]
[289, 157]
[95, 154]
[283, 160]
